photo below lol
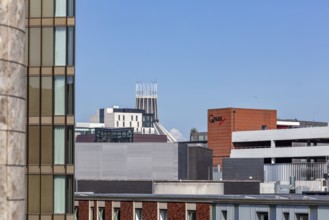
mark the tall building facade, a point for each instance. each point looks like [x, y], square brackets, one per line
[147, 98]
[12, 110]
[50, 108]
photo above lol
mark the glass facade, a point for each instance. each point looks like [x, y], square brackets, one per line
[50, 124]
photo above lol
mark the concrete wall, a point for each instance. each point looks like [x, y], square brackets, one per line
[126, 161]
[281, 134]
[206, 188]
[12, 109]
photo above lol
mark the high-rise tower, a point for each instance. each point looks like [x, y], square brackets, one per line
[147, 98]
[50, 108]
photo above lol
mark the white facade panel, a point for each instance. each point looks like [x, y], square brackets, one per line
[281, 134]
[282, 152]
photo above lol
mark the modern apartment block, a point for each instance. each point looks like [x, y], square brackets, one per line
[50, 108]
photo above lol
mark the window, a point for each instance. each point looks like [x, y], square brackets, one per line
[136, 117]
[116, 214]
[60, 46]
[138, 214]
[123, 117]
[48, 8]
[130, 124]
[70, 5]
[70, 95]
[59, 145]
[224, 215]
[137, 124]
[163, 214]
[264, 127]
[191, 215]
[70, 46]
[286, 216]
[34, 145]
[70, 145]
[119, 117]
[101, 213]
[131, 118]
[117, 124]
[47, 46]
[33, 193]
[35, 8]
[76, 213]
[34, 96]
[59, 194]
[60, 8]
[69, 194]
[123, 124]
[59, 95]
[46, 193]
[46, 145]
[301, 216]
[262, 215]
[46, 96]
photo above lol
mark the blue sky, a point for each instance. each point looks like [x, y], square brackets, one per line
[204, 54]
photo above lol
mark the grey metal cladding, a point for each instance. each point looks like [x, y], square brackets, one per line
[243, 169]
[126, 161]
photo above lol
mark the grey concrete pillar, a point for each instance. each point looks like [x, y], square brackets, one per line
[12, 110]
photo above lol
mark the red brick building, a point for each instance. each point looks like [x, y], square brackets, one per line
[222, 122]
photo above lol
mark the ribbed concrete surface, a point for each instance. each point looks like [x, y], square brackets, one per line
[12, 110]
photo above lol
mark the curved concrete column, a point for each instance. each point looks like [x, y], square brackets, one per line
[12, 110]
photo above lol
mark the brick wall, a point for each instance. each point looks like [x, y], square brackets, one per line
[150, 211]
[83, 210]
[95, 210]
[222, 122]
[126, 210]
[108, 210]
[176, 211]
[203, 211]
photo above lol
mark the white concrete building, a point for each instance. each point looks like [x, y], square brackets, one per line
[116, 117]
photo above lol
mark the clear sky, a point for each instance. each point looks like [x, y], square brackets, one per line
[204, 54]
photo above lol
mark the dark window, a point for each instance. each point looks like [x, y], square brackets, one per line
[70, 95]
[301, 216]
[286, 216]
[224, 215]
[34, 96]
[116, 214]
[264, 127]
[262, 215]
[191, 215]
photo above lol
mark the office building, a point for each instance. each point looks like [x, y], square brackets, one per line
[12, 110]
[50, 108]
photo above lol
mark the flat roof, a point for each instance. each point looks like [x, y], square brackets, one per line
[268, 199]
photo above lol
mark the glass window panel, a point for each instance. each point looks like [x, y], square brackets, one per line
[34, 48]
[47, 46]
[35, 8]
[69, 194]
[163, 214]
[70, 95]
[116, 214]
[70, 145]
[34, 145]
[34, 96]
[46, 145]
[33, 194]
[70, 46]
[59, 194]
[91, 213]
[46, 96]
[138, 213]
[101, 213]
[59, 145]
[46, 193]
[70, 9]
[60, 8]
[59, 95]
[60, 46]
[48, 8]
[76, 213]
